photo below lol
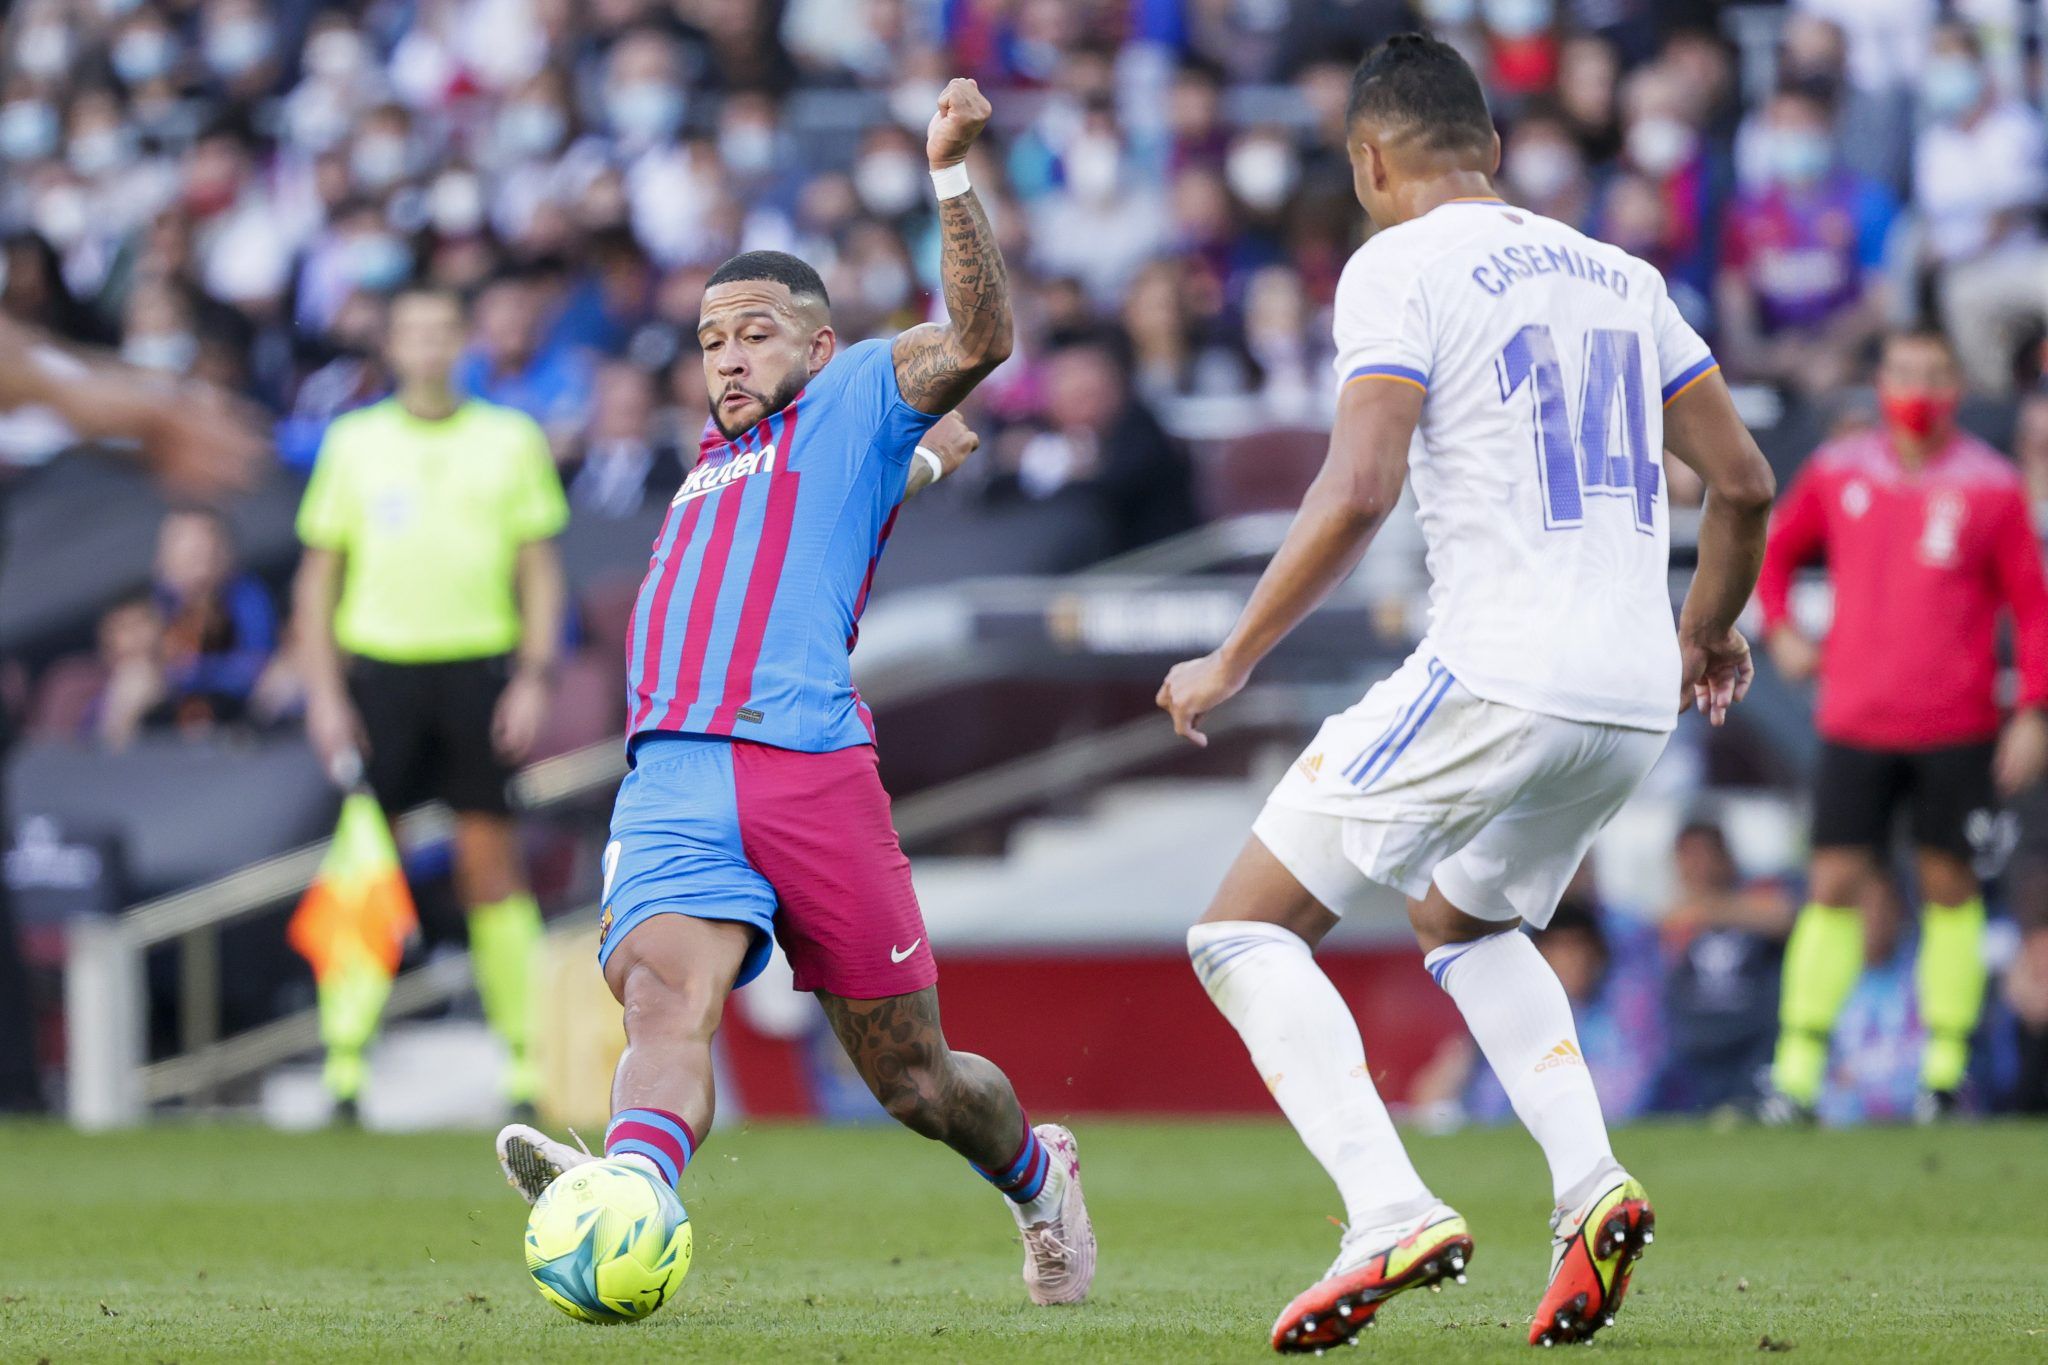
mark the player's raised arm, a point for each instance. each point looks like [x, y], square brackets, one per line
[1702, 429]
[938, 364]
[197, 439]
[1358, 485]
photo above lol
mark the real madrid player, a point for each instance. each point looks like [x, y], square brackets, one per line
[754, 806]
[1528, 379]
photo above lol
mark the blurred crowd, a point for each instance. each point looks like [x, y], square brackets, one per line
[231, 189]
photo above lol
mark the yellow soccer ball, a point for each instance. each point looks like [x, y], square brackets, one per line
[608, 1242]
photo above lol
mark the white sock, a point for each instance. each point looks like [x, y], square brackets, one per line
[1032, 1212]
[643, 1161]
[1305, 1043]
[1518, 1013]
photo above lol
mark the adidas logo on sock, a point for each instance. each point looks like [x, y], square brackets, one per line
[1566, 1053]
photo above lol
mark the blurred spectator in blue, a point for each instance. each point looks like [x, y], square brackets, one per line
[219, 625]
[1800, 293]
[609, 301]
[1874, 1069]
[352, 375]
[1723, 940]
[1616, 1013]
[1980, 177]
[508, 364]
[618, 466]
[1666, 146]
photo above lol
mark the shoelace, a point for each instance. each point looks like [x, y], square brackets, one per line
[1048, 1251]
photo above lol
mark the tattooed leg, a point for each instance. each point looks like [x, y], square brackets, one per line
[952, 1097]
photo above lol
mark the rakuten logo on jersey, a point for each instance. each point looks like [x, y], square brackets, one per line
[709, 478]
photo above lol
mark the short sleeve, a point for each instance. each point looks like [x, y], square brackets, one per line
[1682, 357]
[860, 389]
[539, 511]
[327, 513]
[1380, 319]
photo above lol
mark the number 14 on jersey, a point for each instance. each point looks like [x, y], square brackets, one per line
[1610, 454]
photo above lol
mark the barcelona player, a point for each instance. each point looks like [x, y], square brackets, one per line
[753, 806]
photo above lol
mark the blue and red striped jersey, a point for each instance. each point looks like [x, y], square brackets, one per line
[747, 617]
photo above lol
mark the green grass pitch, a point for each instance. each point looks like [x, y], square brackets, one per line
[235, 1244]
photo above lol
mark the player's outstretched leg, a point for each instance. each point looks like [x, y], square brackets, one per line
[672, 974]
[965, 1102]
[1254, 953]
[1522, 1020]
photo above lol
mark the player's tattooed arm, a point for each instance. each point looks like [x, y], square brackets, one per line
[938, 364]
[950, 441]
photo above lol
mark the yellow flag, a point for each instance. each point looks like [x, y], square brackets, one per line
[358, 909]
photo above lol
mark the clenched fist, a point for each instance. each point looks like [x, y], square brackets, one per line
[963, 113]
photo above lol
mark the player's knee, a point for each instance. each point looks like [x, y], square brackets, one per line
[1837, 876]
[1946, 879]
[678, 1007]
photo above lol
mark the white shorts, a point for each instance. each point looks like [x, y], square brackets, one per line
[1422, 781]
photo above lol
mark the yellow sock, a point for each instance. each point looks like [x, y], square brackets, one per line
[1822, 961]
[504, 955]
[1948, 978]
[351, 1000]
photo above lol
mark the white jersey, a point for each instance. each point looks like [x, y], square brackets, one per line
[1546, 358]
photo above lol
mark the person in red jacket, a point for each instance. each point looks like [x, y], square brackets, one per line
[1928, 539]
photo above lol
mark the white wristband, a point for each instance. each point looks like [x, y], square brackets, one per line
[937, 466]
[951, 183]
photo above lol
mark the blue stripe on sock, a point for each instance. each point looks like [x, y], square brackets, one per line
[1440, 961]
[1028, 1189]
[648, 1149]
[654, 1118]
[1211, 960]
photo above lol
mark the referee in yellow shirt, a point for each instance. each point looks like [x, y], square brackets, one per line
[429, 605]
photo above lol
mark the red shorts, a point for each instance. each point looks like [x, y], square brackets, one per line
[797, 844]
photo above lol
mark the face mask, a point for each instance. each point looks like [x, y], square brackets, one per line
[316, 119]
[114, 9]
[378, 160]
[142, 55]
[28, 130]
[913, 102]
[887, 182]
[645, 111]
[238, 46]
[747, 148]
[61, 216]
[1659, 146]
[168, 352]
[883, 284]
[1798, 157]
[455, 205]
[1543, 169]
[378, 262]
[97, 152]
[1450, 13]
[1951, 86]
[1261, 173]
[1092, 166]
[44, 51]
[531, 128]
[1518, 18]
[1918, 412]
[336, 55]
